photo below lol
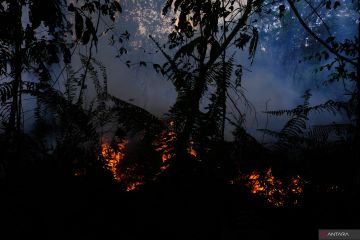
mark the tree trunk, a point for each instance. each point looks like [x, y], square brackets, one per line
[15, 112]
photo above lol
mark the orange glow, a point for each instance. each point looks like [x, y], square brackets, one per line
[80, 172]
[113, 157]
[274, 190]
[133, 186]
[165, 145]
[191, 150]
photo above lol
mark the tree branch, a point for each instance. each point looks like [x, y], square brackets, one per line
[307, 28]
[236, 29]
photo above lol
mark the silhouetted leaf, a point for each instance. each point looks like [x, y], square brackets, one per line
[86, 37]
[242, 40]
[66, 55]
[157, 68]
[281, 10]
[167, 6]
[79, 25]
[330, 39]
[117, 6]
[188, 48]
[71, 8]
[253, 43]
[122, 51]
[328, 4]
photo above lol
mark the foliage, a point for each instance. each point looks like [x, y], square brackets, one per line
[34, 49]
[296, 135]
[200, 69]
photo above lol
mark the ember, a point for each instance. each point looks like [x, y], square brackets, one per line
[113, 157]
[166, 146]
[277, 192]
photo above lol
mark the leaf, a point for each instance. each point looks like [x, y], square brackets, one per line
[122, 51]
[242, 41]
[88, 23]
[85, 37]
[79, 25]
[328, 4]
[215, 49]
[71, 8]
[326, 55]
[66, 55]
[188, 48]
[167, 6]
[336, 4]
[91, 30]
[97, 5]
[330, 39]
[117, 6]
[238, 74]
[157, 68]
[104, 9]
[177, 4]
[253, 43]
[281, 10]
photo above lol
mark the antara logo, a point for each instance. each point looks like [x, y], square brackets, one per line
[324, 234]
[338, 234]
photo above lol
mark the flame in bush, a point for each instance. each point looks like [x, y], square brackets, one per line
[165, 145]
[113, 157]
[277, 192]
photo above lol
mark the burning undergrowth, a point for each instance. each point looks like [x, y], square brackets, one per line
[279, 192]
[133, 163]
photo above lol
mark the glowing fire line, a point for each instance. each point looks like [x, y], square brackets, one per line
[274, 190]
[114, 157]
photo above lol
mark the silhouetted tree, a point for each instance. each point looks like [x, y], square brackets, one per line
[26, 51]
[203, 31]
[344, 63]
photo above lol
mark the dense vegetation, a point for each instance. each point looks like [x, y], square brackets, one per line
[81, 164]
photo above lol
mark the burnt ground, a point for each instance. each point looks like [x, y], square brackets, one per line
[38, 208]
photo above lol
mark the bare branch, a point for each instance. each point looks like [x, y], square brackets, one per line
[326, 45]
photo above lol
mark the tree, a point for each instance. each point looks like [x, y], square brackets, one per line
[346, 63]
[203, 32]
[24, 51]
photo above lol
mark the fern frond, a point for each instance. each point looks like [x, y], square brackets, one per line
[6, 90]
[321, 133]
[134, 119]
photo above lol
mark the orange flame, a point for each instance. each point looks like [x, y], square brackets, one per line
[165, 145]
[274, 190]
[113, 157]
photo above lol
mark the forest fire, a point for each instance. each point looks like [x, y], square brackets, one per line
[165, 146]
[113, 157]
[277, 192]
[114, 154]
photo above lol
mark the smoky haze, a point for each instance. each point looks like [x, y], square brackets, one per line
[275, 80]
